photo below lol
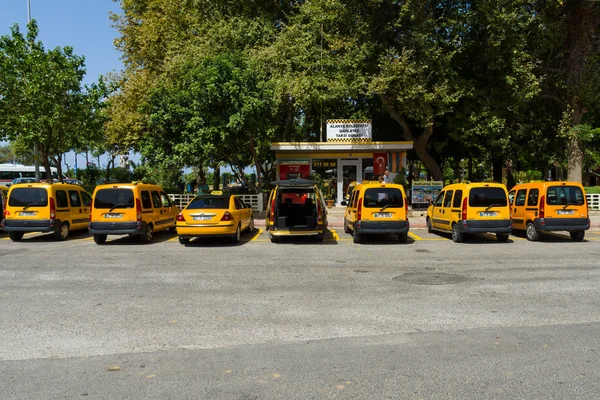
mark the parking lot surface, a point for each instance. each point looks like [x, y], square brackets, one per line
[427, 319]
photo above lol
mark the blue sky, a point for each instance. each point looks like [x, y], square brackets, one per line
[81, 24]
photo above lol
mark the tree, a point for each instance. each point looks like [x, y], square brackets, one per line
[42, 99]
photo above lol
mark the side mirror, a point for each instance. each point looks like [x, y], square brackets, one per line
[344, 203]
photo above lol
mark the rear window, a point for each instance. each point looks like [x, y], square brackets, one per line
[33, 197]
[109, 198]
[563, 195]
[487, 196]
[381, 197]
[208, 202]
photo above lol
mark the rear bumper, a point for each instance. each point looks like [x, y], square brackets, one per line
[483, 226]
[116, 228]
[381, 227]
[561, 224]
[30, 225]
[287, 232]
[190, 231]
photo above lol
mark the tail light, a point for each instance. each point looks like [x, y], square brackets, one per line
[272, 217]
[227, 216]
[359, 210]
[52, 209]
[138, 210]
[463, 211]
[180, 217]
[542, 207]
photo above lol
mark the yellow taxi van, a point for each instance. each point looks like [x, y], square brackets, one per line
[214, 214]
[46, 207]
[464, 208]
[377, 208]
[135, 209]
[539, 207]
[295, 208]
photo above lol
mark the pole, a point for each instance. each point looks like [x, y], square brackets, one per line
[36, 158]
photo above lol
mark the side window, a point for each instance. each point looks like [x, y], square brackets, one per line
[146, 202]
[532, 199]
[511, 197]
[87, 200]
[166, 201]
[520, 199]
[457, 203]
[448, 198]
[238, 203]
[74, 198]
[552, 197]
[440, 199]
[61, 199]
[356, 198]
[156, 199]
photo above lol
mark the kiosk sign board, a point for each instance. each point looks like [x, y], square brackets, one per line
[348, 129]
[425, 191]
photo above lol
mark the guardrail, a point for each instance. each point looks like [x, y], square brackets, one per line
[253, 200]
[593, 201]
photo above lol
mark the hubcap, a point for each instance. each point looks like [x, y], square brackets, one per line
[64, 231]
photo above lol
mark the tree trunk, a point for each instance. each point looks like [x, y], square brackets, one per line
[497, 164]
[289, 119]
[420, 143]
[46, 164]
[575, 149]
[217, 176]
[257, 163]
[470, 176]
[109, 165]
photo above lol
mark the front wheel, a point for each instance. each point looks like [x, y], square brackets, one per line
[457, 236]
[346, 229]
[577, 236]
[429, 226]
[502, 237]
[532, 234]
[15, 236]
[62, 232]
[100, 239]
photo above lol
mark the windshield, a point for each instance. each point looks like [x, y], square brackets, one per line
[563, 195]
[109, 198]
[209, 202]
[487, 196]
[33, 197]
[381, 197]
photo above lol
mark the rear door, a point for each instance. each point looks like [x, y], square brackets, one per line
[206, 210]
[565, 201]
[488, 203]
[383, 203]
[115, 204]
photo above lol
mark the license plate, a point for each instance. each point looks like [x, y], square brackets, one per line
[383, 215]
[488, 214]
[565, 212]
[202, 218]
[113, 215]
[27, 214]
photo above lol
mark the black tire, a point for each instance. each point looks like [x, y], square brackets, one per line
[577, 236]
[274, 239]
[429, 226]
[532, 234]
[235, 239]
[184, 241]
[100, 239]
[319, 238]
[63, 231]
[502, 237]
[15, 236]
[146, 236]
[457, 237]
[251, 225]
[356, 237]
[346, 229]
[173, 229]
[403, 237]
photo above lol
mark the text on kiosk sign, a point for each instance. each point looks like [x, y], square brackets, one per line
[348, 130]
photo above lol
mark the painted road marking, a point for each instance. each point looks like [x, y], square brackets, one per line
[253, 238]
[334, 234]
[415, 237]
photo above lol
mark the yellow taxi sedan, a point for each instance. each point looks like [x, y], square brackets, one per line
[214, 215]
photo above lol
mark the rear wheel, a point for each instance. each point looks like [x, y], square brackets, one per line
[173, 229]
[457, 236]
[577, 236]
[357, 237]
[502, 237]
[183, 240]
[532, 234]
[100, 239]
[15, 236]
[237, 235]
[62, 232]
[403, 237]
[147, 234]
[274, 239]
[319, 238]
[429, 226]
[346, 229]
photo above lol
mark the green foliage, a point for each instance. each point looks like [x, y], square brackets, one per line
[121, 174]
[90, 175]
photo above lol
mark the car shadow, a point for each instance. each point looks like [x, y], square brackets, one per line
[381, 240]
[549, 237]
[328, 239]
[158, 237]
[223, 241]
[476, 238]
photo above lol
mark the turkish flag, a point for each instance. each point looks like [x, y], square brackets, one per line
[379, 163]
